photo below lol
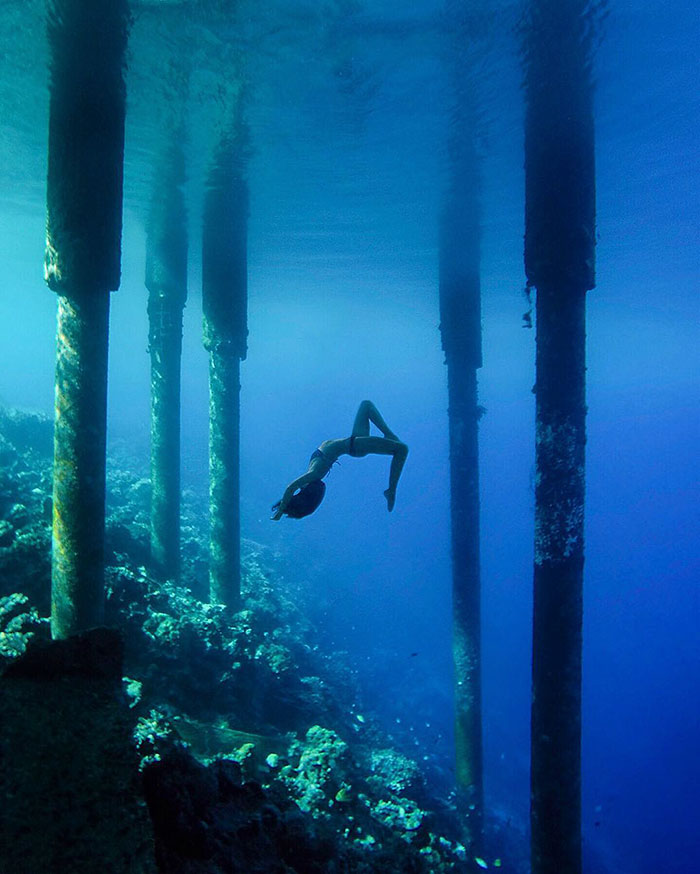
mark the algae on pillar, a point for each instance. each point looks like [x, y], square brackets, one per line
[166, 281]
[87, 42]
[225, 305]
[559, 263]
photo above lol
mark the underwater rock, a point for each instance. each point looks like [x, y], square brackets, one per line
[69, 775]
[178, 791]
[94, 655]
[208, 819]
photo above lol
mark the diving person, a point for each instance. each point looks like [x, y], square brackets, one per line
[310, 488]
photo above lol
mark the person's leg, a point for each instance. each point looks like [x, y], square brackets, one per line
[397, 462]
[382, 446]
[366, 413]
[360, 427]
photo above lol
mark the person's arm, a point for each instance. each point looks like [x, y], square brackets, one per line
[298, 483]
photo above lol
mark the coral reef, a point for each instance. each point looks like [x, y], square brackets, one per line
[255, 752]
[25, 506]
[18, 625]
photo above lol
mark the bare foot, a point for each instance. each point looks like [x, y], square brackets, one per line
[390, 499]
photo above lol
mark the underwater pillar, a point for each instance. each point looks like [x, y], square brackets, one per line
[559, 263]
[225, 303]
[224, 477]
[87, 42]
[166, 281]
[460, 326]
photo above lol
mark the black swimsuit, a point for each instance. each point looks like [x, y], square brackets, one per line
[319, 453]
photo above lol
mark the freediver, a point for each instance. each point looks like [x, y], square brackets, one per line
[310, 488]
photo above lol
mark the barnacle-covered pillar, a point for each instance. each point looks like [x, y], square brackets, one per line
[166, 281]
[225, 305]
[87, 40]
[559, 263]
[460, 326]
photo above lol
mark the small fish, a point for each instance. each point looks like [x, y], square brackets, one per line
[480, 862]
[413, 655]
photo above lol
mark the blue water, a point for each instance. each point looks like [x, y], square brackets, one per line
[343, 306]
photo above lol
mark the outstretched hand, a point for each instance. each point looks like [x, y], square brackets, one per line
[278, 512]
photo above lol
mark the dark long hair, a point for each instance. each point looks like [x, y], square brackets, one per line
[306, 500]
